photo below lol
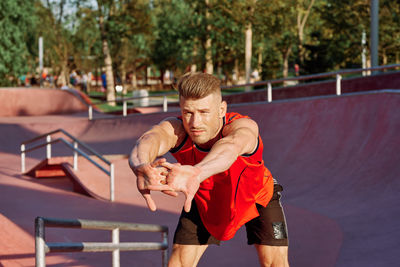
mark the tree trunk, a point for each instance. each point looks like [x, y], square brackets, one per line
[301, 22]
[123, 66]
[235, 77]
[134, 79]
[193, 66]
[63, 78]
[108, 64]
[260, 60]
[208, 44]
[109, 74]
[123, 79]
[249, 43]
[248, 48]
[286, 56]
[384, 57]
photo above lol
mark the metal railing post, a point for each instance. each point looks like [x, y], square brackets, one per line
[90, 111]
[112, 182]
[165, 251]
[22, 158]
[124, 112]
[115, 253]
[48, 147]
[75, 156]
[165, 104]
[338, 84]
[39, 243]
[115, 247]
[269, 92]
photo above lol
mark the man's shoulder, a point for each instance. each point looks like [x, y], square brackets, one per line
[175, 125]
[235, 121]
[231, 116]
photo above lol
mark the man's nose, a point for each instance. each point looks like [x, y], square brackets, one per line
[196, 120]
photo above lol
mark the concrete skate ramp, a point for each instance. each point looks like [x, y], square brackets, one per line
[337, 158]
[37, 101]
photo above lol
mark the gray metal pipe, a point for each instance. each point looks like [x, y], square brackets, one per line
[40, 243]
[374, 33]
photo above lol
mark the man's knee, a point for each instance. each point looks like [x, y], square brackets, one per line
[272, 256]
[186, 255]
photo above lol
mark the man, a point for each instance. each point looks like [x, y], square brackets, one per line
[221, 172]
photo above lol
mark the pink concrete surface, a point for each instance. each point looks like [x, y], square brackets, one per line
[37, 101]
[336, 157]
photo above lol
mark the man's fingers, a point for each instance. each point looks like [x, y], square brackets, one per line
[167, 165]
[158, 162]
[188, 202]
[170, 193]
[161, 187]
[149, 201]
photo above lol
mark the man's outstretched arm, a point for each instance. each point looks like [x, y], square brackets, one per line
[240, 137]
[152, 144]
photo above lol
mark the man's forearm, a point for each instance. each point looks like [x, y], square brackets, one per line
[219, 159]
[145, 151]
[225, 152]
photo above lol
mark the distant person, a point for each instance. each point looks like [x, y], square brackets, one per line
[220, 170]
[72, 78]
[21, 81]
[104, 81]
[33, 80]
[296, 69]
[255, 75]
[84, 82]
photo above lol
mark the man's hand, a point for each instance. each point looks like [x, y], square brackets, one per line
[152, 174]
[183, 178]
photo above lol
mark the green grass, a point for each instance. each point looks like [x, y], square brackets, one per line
[108, 108]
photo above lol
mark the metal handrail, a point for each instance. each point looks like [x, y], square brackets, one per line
[314, 76]
[124, 101]
[75, 148]
[42, 247]
[269, 83]
[338, 75]
[73, 138]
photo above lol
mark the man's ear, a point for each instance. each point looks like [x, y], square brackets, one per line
[222, 109]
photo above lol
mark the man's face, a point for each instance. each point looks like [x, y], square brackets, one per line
[202, 118]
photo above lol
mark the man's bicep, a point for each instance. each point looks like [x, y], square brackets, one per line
[244, 134]
[168, 134]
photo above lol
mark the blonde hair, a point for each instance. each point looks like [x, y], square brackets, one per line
[198, 85]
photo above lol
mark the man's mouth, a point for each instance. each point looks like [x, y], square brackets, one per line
[196, 132]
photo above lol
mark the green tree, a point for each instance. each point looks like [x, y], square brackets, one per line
[16, 23]
[389, 38]
[57, 39]
[174, 36]
[338, 41]
[129, 30]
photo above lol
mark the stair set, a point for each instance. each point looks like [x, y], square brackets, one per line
[84, 182]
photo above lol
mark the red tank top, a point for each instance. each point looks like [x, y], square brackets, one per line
[227, 200]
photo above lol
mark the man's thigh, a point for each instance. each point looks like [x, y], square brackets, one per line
[191, 230]
[270, 227]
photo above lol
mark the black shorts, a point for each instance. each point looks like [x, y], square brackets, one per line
[267, 229]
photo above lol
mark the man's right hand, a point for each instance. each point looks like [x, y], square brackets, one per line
[151, 174]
